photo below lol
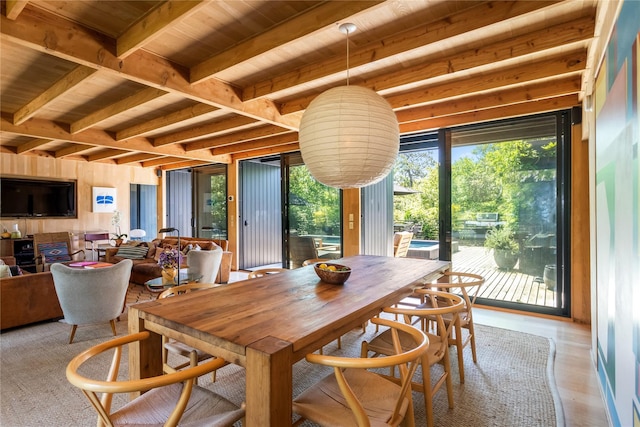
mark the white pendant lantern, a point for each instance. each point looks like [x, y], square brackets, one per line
[349, 135]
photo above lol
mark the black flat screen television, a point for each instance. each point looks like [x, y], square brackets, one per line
[37, 198]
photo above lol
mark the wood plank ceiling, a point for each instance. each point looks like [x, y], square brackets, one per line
[172, 84]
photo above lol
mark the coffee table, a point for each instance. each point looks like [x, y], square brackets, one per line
[156, 286]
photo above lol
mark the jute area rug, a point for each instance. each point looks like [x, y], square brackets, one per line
[511, 385]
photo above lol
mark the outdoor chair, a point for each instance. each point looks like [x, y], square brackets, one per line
[168, 399]
[401, 242]
[51, 248]
[443, 303]
[93, 295]
[354, 396]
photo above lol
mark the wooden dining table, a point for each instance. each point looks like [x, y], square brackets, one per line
[268, 324]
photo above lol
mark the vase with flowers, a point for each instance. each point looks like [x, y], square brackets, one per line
[118, 236]
[170, 260]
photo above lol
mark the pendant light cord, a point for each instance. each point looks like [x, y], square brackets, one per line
[348, 58]
[347, 28]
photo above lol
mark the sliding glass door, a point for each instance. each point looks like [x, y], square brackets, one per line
[210, 188]
[313, 220]
[509, 210]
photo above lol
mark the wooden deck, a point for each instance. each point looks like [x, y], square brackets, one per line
[499, 284]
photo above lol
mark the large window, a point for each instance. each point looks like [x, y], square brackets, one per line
[492, 199]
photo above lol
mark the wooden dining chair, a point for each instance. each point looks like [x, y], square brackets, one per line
[354, 396]
[168, 399]
[193, 355]
[467, 285]
[442, 303]
[265, 271]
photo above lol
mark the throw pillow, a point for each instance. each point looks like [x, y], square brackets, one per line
[4, 271]
[54, 252]
[132, 252]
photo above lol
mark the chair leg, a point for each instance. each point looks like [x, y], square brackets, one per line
[472, 337]
[113, 326]
[459, 349]
[73, 333]
[339, 342]
[193, 362]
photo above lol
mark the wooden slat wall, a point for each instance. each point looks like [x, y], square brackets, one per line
[377, 223]
[261, 210]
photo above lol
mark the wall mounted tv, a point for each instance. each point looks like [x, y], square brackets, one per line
[37, 198]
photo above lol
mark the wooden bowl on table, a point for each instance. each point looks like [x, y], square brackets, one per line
[332, 273]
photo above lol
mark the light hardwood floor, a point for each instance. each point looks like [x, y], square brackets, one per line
[574, 367]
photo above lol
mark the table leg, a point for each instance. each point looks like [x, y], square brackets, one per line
[145, 357]
[269, 383]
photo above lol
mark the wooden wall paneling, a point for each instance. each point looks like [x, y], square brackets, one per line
[351, 206]
[88, 175]
[580, 266]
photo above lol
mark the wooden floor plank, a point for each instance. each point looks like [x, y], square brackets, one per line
[500, 284]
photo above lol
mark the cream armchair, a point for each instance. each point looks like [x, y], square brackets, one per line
[91, 295]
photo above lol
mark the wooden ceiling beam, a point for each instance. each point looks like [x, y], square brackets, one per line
[274, 141]
[478, 56]
[304, 24]
[158, 20]
[71, 150]
[502, 112]
[137, 158]
[181, 165]
[482, 14]
[14, 7]
[507, 76]
[106, 154]
[507, 96]
[236, 137]
[40, 128]
[59, 88]
[565, 63]
[119, 107]
[25, 147]
[205, 129]
[266, 152]
[63, 39]
[160, 122]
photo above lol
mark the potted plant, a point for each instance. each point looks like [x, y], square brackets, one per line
[118, 236]
[504, 245]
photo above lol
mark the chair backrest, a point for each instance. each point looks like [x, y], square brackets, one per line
[111, 385]
[466, 284]
[265, 271]
[55, 247]
[91, 295]
[185, 289]
[401, 242]
[439, 305]
[406, 360]
[301, 248]
[137, 234]
[205, 264]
